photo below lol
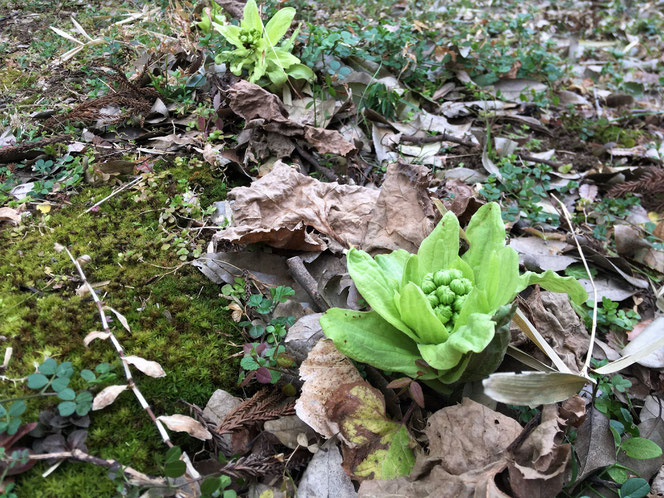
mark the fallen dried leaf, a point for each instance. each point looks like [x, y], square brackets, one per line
[107, 396]
[151, 368]
[182, 423]
[323, 371]
[10, 214]
[95, 335]
[379, 448]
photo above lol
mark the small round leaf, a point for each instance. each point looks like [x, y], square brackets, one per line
[210, 485]
[175, 469]
[17, 408]
[37, 381]
[67, 395]
[66, 408]
[48, 367]
[88, 375]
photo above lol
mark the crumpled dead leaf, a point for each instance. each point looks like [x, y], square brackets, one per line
[537, 467]
[378, 447]
[553, 316]
[467, 445]
[324, 370]
[594, 446]
[268, 129]
[630, 244]
[284, 208]
[403, 215]
[538, 254]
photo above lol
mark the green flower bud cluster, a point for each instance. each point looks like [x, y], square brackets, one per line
[250, 37]
[446, 291]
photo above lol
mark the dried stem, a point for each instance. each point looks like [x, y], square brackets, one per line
[306, 281]
[118, 348]
[593, 330]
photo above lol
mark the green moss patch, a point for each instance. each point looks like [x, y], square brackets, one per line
[176, 319]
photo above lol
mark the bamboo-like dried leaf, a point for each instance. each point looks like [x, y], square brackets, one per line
[151, 368]
[79, 28]
[64, 34]
[95, 335]
[107, 396]
[647, 342]
[182, 423]
[533, 388]
[531, 332]
[528, 360]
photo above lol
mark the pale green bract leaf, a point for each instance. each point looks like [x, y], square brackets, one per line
[230, 33]
[376, 287]
[416, 312]
[441, 247]
[366, 337]
[394, 263]
[277, 76]
[252, 18]
[553, 282]
[276, 27]
[472, 337]
[485, 234]
[498, 276]
[280, 58]
[300, 72]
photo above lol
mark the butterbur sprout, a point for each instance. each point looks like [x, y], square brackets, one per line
[451, 311]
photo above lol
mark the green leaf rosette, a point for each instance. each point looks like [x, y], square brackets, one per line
[435, 315]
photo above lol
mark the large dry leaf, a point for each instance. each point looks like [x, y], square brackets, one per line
[324, 370]
[403, 215]
[182, 423]
[284, 206]
[107, 396]
[269, 129]
[469, 436]
[537, 466]
[10, 215]
[594, 446]
[325, 477]
[151, 368]
[630, 244]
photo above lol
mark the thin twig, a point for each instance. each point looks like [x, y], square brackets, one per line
[323, 170]
[118, 348]
[115, 192]
[593, 330]
[302, 276]
[533, 159]
[431, 139]
[137, 478]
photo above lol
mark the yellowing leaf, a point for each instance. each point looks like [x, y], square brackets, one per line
[44, 208]
[382, 449]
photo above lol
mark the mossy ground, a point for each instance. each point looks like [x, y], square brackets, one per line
[176, 319]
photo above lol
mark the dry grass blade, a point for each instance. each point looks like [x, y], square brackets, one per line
[593, 331]
[521, 321]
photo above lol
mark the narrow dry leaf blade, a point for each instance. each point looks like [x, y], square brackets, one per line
[528, 360]
[107, 396]
[79, 28]
[532, 388]
[151, 368]
[531, 332]
[95, 335]
[64, 34]
[654, 340]
[182, 423]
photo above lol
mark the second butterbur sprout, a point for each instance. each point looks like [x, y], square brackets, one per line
[446, 291]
